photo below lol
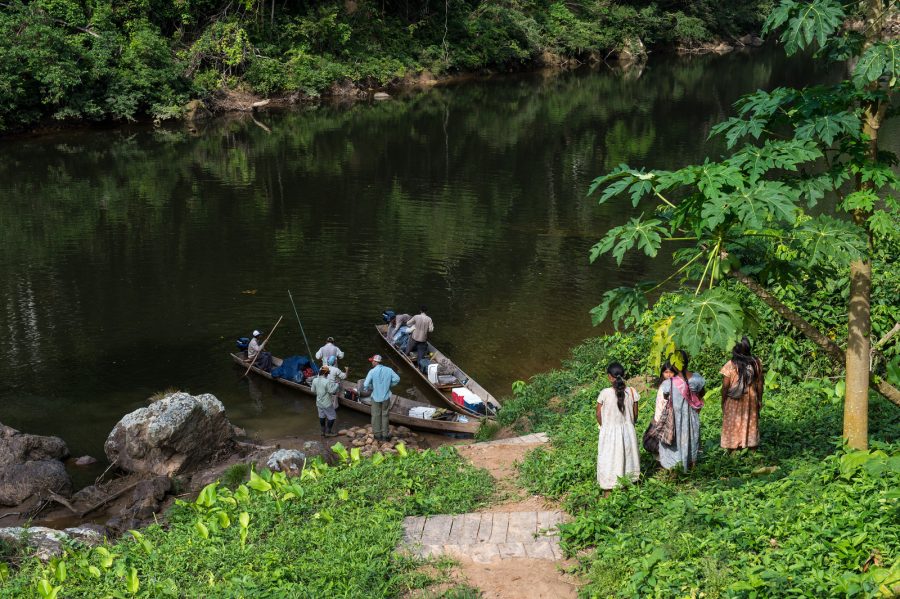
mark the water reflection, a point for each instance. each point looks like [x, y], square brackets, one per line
[125, 254]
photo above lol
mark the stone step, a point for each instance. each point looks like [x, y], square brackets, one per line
[485, 537]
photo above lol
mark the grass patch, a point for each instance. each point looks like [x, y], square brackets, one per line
[799, 517]
[330, 532]
[235, 474]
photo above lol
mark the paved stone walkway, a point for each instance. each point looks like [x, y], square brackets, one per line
[485, 537]
[531, 439]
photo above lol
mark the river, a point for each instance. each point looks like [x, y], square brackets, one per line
[131, 258]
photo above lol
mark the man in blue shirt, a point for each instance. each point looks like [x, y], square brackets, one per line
[380, 380]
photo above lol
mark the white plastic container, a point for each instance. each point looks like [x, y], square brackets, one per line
[433, 374]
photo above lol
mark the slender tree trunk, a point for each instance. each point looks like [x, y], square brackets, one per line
[859, 350]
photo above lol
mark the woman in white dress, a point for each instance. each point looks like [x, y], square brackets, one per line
[617, 445]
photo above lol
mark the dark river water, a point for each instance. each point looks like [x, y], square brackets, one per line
[130, 259]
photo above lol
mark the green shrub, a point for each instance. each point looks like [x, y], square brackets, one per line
[329, 532]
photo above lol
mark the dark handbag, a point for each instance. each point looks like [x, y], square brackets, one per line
[665, 428]
[651, 439]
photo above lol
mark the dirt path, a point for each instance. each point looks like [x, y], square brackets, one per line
[512, 548]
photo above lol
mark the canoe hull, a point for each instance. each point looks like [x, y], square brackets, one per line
[395, 416]
[444, 392]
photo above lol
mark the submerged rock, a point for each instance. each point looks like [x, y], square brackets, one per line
[171, 436]
[85, 460]
[30, 464]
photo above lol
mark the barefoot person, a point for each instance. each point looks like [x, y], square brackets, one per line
[617, 445]
[380, 380]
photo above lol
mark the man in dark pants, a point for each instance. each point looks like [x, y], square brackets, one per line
[418, 340]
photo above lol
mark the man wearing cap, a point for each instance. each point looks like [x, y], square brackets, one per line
[255, 354]
[325, 388]
[380, 380]
[328, 350]
[254, 347]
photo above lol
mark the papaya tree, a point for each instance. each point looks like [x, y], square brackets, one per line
[806, 193]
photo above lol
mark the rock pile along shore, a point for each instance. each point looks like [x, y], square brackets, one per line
[362, 437]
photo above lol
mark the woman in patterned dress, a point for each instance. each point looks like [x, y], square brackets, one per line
[742, 392]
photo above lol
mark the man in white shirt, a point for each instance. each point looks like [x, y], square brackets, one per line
[327, 351]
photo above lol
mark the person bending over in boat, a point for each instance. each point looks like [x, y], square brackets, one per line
[328, 350]
[255, 350]
[397, 322]
[418, 341]
[325, 388]
[380, 380]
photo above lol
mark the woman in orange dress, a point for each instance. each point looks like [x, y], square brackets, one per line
[742, 392]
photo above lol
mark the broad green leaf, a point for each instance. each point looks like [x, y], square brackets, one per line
[827, 127]
[757, 206]
[244, 519]
[257, 483]
[645, 234]
[805, 23]
[132, 583]
[341, 451]
[201, 528]
[881, 58]
[223, 519]
[661, 344]
[863, 199]
[713, 318]
[829, 242]
[620, 304]
[208, 495]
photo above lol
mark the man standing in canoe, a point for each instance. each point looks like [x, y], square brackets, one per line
[418, 340]
[380, 380]
[329, 350]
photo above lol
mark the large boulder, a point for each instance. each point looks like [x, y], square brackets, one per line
[45, 543]
[171, 436]
[30, 464]
[20, 481]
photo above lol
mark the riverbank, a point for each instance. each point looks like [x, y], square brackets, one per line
[67, 63]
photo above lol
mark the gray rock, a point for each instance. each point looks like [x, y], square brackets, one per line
[17, 448]
[171, 436]
[286, 460]
[18, 482]
[45, 543]
[85, 460]
[381, 96]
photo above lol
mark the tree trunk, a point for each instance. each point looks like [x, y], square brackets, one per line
[859, 348]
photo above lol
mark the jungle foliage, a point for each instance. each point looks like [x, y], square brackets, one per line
[101, 60]
[800, 517]
[330, 532]
[806, 199]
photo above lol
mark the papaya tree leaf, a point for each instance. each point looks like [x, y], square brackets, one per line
[621, 305]
[645, 234]
[712, 318]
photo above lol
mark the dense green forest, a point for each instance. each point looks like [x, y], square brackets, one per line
[100, 60]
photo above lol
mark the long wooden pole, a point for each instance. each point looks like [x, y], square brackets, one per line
[312, 358]
[263, 345]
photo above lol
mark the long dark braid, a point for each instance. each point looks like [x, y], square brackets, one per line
[616, 371]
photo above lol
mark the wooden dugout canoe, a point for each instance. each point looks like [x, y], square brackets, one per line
[399, 414]
[447, 382]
